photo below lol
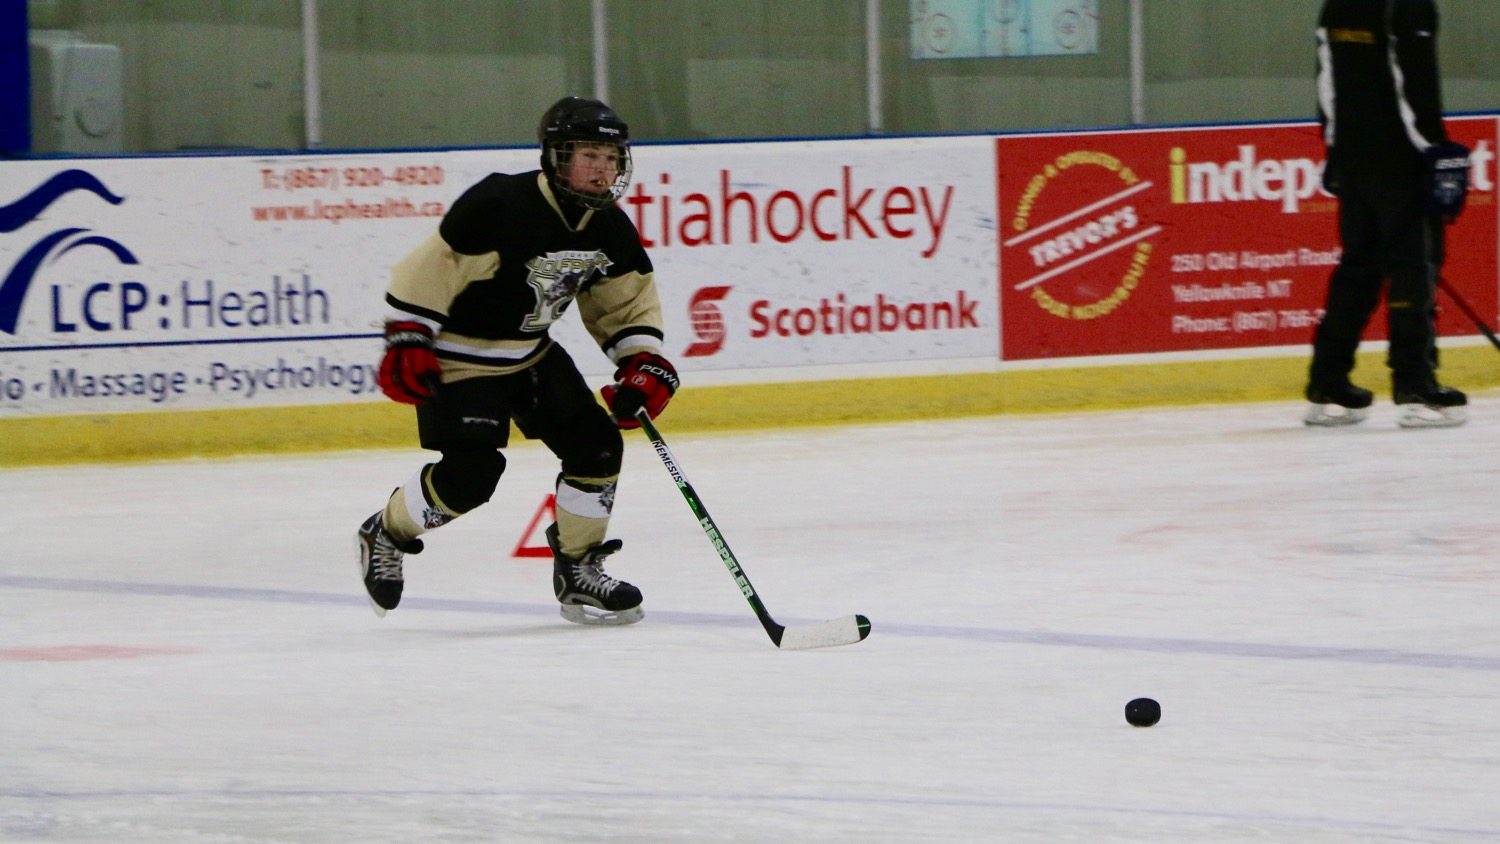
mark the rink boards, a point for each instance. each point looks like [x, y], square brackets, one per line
[162, 306]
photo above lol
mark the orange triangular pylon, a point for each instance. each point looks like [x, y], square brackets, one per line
[547, 511]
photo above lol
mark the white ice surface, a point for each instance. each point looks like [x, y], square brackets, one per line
[186, 653]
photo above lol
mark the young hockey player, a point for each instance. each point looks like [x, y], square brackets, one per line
[466, 342]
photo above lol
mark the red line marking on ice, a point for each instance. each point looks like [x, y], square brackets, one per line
[77, 653]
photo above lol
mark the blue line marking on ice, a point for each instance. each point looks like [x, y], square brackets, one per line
[1363, 656]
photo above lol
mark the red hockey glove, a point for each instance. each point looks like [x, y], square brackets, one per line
[409, 373]
[643, 380]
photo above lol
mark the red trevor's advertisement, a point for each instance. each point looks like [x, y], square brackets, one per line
[1214, 238]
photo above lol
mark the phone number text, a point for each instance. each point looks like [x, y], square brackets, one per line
[334, 178]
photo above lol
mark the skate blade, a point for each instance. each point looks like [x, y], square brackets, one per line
[1334, 416]
[581, 614]
[1422, 416]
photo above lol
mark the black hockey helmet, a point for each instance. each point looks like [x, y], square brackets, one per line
[575, 120]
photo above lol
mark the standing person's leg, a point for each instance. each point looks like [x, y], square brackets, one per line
[1417, 252]
[1416, 244]
[1353, 294]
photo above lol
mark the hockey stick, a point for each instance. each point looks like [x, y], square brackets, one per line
[1468, 311]
[839, 631]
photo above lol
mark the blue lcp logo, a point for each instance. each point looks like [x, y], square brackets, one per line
[13, 217]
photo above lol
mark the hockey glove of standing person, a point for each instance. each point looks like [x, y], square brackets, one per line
[410, 372]
[1448, 179]
[643, 380]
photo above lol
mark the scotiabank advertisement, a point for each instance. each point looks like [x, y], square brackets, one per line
[1187, 239]
[821, 252]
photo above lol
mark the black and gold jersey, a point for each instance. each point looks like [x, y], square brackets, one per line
[1378, 92]
[507, 261]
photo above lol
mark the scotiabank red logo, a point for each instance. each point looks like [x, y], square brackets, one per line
[708, 322]
[831, 316]
[841, 316]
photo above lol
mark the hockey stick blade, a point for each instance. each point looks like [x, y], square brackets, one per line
[838, 631]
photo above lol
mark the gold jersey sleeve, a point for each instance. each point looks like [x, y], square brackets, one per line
[623, 314]
[425, 282]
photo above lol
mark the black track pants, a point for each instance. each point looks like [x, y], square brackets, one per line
[1385, 236]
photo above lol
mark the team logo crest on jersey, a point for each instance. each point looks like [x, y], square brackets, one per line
[557, 278]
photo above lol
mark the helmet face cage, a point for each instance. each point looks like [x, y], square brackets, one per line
[558, 158]
[572, 122]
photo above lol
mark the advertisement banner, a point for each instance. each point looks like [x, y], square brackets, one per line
[1196, 238]
[207, 282]
[821, 252]
[233, 281]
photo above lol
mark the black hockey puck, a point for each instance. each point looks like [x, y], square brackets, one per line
[1142, 712]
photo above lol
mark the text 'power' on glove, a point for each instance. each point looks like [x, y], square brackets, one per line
[642, 380]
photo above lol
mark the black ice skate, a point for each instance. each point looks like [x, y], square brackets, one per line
[1337, 404]
[1429, 405]
[380, 556]
[587, 594]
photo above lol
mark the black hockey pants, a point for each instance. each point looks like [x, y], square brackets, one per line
[469, 422]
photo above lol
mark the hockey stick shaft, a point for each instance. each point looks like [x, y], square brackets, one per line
[1469, 312]
[706, 522]
[843, 631]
